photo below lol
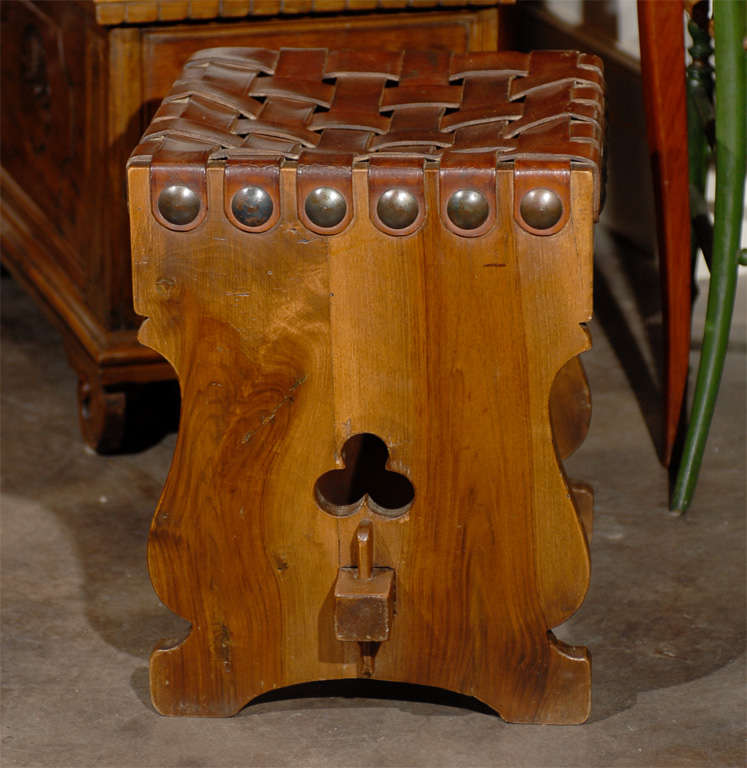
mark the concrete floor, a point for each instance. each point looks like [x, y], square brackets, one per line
[664, 619]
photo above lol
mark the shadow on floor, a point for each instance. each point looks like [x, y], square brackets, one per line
[326, 694]
[663, 609]
[633, 326]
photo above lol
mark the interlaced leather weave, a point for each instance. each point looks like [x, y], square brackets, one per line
[339, 107]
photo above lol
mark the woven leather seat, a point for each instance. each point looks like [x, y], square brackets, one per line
[341, 107]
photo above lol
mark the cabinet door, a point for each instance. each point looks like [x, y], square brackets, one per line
[53, 97]
[165, 49]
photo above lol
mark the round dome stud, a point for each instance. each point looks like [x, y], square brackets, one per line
[325, 207]
[397, 208]
[541, 208]
[178, 204]
[468, 209]
[252, 206]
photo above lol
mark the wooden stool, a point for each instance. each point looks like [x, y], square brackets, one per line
[367, 269]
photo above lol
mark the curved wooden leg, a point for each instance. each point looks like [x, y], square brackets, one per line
[731, 134]
[663, 69]
[570, 407]
[583, 498]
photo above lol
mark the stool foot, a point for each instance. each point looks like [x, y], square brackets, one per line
[566, 699]
[102, 415]
[180, 687]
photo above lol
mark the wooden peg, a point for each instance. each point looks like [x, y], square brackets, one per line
[364, 541]
[364, 595]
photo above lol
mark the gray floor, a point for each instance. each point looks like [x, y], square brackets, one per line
[665, 616]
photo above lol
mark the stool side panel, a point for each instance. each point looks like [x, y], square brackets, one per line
[471, 605]
[559, 269]
[286, 344]
[244, 320]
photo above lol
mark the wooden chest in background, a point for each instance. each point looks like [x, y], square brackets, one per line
[81, 80]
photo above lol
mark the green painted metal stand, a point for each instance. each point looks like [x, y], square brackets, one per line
[731, 136]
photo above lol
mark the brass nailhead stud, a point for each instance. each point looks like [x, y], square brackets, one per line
[252, 206]
[178, 204]
[541, 208]
[397, 208]
[325, 206]
[468, 208]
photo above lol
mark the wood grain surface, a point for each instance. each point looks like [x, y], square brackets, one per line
[287, 344]
[143, 11]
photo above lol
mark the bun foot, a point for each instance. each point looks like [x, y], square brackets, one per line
[102, 416]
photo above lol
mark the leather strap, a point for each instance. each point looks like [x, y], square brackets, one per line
[553, 175]
[480, 177]
[401, 174]
[252, 172]
[319, 170]
[179, 162]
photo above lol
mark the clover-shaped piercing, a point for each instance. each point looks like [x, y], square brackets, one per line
[365, 478]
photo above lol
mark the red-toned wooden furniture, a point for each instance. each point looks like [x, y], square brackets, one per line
[681, 126]
[663, 71]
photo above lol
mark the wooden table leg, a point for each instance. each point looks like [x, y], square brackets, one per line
[663, 68]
